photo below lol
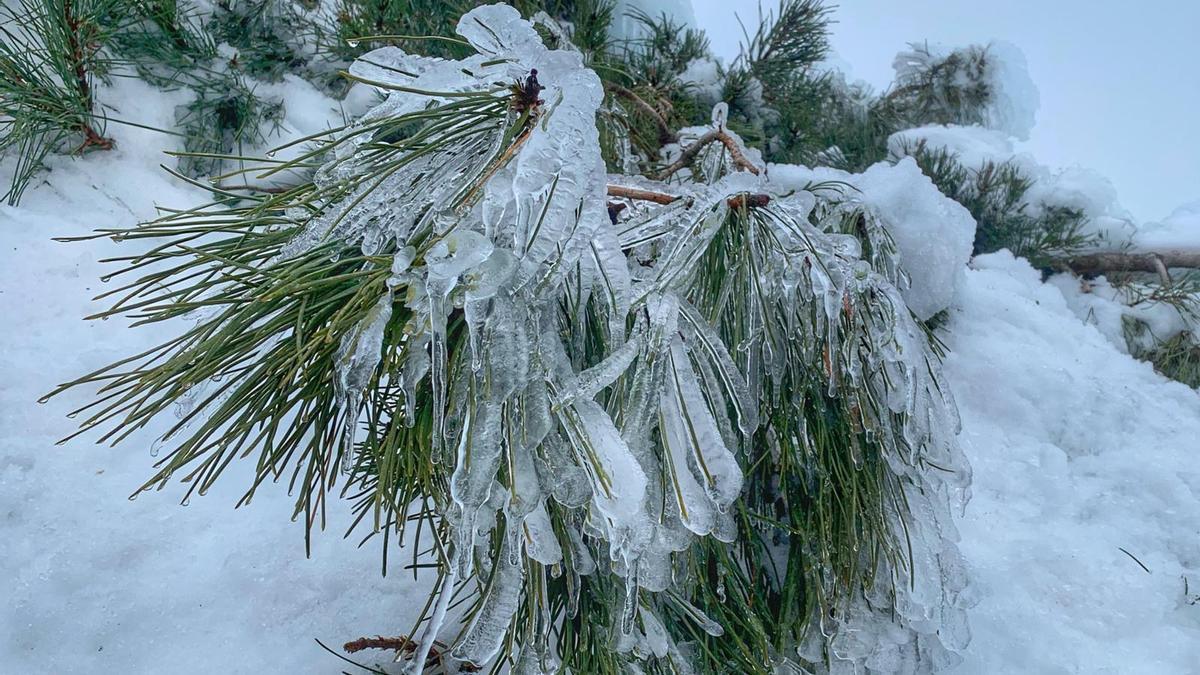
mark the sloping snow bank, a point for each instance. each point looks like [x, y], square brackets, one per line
[93, 582]
[1079, 452]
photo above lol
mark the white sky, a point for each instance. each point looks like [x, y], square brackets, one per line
[1119, 81]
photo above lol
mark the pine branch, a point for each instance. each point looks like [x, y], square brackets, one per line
[665, 133]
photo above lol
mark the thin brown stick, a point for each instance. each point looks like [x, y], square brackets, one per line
[744, 200]
[75, 46]
[689, 153]
[1092, 264]
[642, 195]
[665, 133]
[400, 643]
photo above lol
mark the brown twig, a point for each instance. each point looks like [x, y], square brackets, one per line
[641, 195]
[1093, 264]
[396, 644]
[744, 200]
[689, 153]
[407, 646]
[665, 133]
[76, 47]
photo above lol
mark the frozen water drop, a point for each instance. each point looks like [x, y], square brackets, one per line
[720, 115]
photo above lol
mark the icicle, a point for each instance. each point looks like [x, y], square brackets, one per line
[629, 610]
[355, 362]
[485, 634]
[720, 115]
[445, 592]
[593, 380]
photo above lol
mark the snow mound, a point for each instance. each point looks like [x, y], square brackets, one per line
[1085, 470]
[1181, 229]
[974, 146]
[933, 234]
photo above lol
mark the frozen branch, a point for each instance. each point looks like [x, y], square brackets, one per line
[738, 201]
[1092, 264]
[689, 153]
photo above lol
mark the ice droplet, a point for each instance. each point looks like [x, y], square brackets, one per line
[720, 115]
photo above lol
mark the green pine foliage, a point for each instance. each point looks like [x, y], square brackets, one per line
[51, 54]
[996, 195]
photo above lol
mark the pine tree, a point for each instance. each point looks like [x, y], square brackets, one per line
[559, 313]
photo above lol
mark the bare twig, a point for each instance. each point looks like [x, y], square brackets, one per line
[1092, 264]
[665, 133]
[689, 153]
[78, 56]
[642, 195]
[738, 201]
[400, 643]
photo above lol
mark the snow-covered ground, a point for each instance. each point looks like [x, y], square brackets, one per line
[91, 582]
[1085, 470]
[1084, 460]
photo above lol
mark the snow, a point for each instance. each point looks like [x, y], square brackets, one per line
[1070, 187]
[94, 582]
[933, 234]
[1014, 97]
[703, 77]
[973, 146]
[1179, 230]
[1079, 452]
[1099, 303]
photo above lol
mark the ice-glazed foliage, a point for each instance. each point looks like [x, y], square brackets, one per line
[698, 433]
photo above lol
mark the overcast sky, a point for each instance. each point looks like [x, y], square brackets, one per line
[1119, 81]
